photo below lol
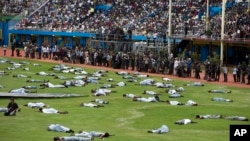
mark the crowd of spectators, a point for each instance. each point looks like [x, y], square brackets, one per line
[19, 7]
[143, 17]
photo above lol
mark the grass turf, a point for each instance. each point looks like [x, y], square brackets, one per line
[128, 120]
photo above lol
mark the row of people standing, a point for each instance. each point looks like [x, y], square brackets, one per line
[148, 62]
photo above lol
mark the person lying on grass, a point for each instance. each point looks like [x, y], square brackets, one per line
[161, 130]
[32, 87]
[36, 105]
[174, 102]
[146, 82]
[72, 138]
[93, 81]
[130, 95]
[22, 91]
[184, 121]
[209, 116]
[75, 83]
[102, 92]
[191, 103]
[2, 73]
[91, 105]
[239, 118]
[163, 85]
[59, 128]
[60, 77]
[95, 134]
[220, 99]
[100, 101]
[120, 84]
[148, 99]
[122, 73]
[219, 91]
[175, 95]
[50, 85]
[148, 92]
[52, 111]
[42, 73]
[194, 84]
[21, 76]
[106, 86]
[37, 81]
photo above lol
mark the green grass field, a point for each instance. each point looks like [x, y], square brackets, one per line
[128, 120]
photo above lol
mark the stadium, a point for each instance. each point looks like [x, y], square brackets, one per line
[186, 40]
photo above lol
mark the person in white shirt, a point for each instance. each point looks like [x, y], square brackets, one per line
[194, 84]
[102, 92]
[121, 84]
[191, 103]
[59, 128]
[167, 79]
[91, 105]
[208, 116]
[148, 99]
[184, 121]
[130, 95]
[22, 91]
[122, 73]
[92, 134]
[180, 89]
[100, 101]
[174, 102]
[50, 85]
[239, 118]
[21, 76]
[35, 105]
[163, 85]
[52, 111]
[142, 75]
[161, 130]
[42, 73]
[76, 83]
[73, 138]
[150, 92]
[146, 82]
[171, 91]
[220, 99]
